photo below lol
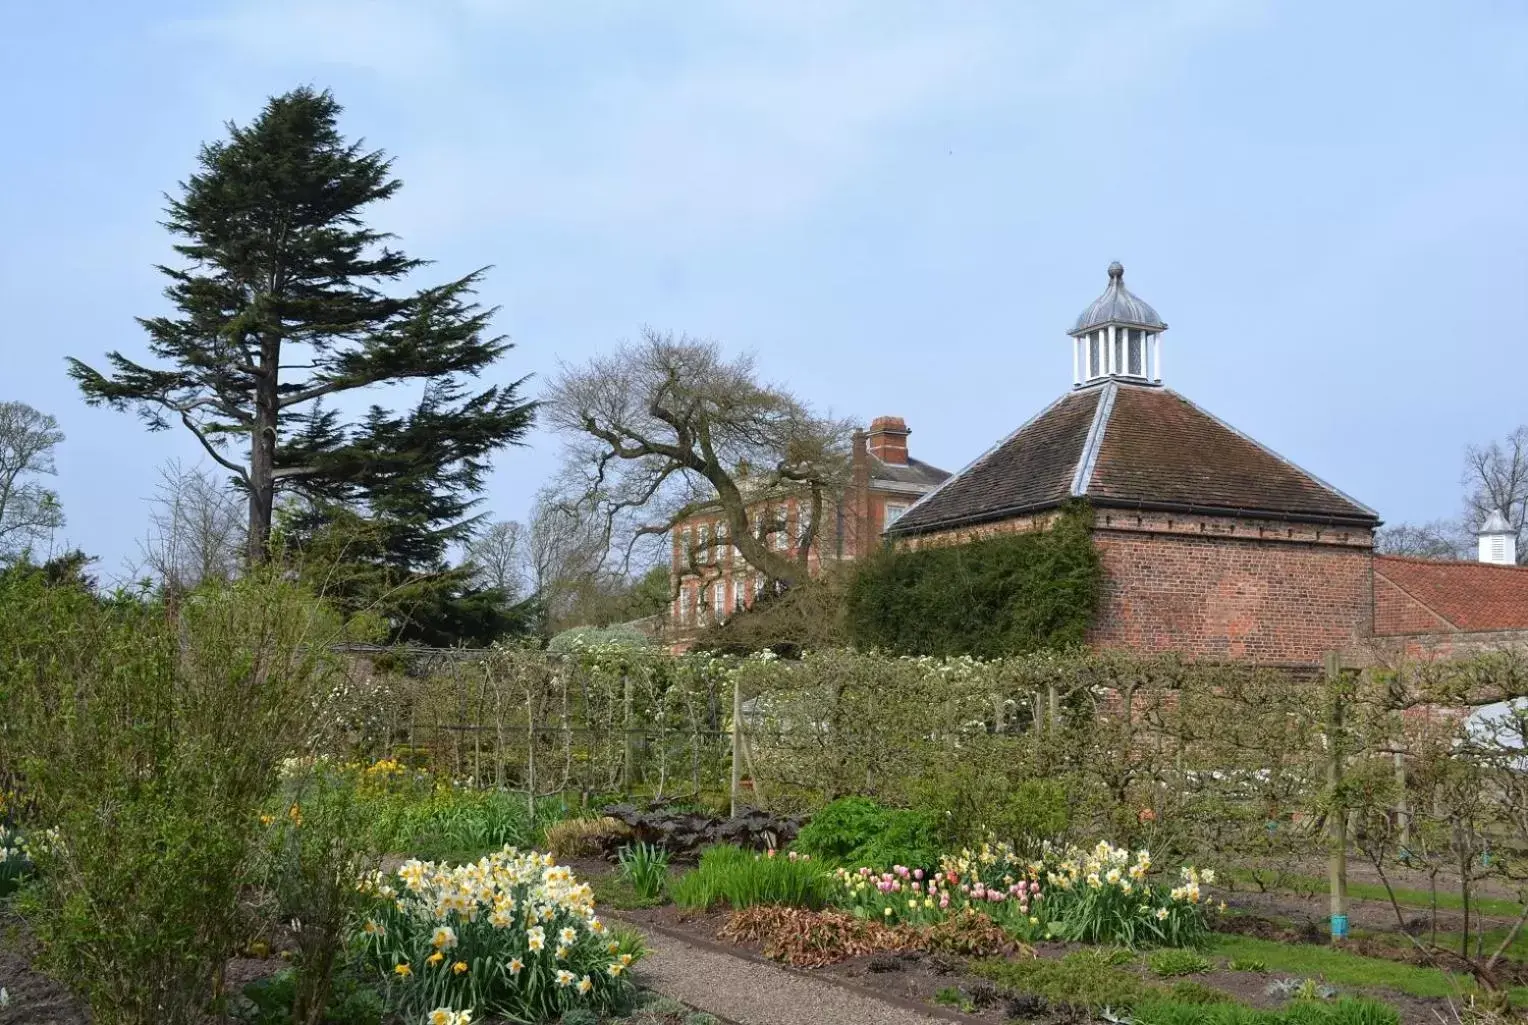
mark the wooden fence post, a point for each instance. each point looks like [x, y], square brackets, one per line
[737, 742]
[1337, 812]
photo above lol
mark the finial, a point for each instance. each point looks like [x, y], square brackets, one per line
[1116, 271]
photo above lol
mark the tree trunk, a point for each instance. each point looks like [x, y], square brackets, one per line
[262, 454]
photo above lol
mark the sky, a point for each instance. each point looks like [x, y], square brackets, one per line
[899, 207]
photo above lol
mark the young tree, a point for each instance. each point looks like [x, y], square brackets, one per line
[281, 305]
[29, 512]
[196, 528]
[498, 553]
[1496, 478]
[667, 428]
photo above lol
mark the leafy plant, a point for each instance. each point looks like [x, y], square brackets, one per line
[685, 832]
[857, 831]
[512, 934]
[1083, 979]
[952, 996]
[269, 1001]
[1103, 895]
[645, 867]
[1248, 964]
[812, 939]
[731, 875]
[1340, 1012]
[1171, 963]
[15, 863]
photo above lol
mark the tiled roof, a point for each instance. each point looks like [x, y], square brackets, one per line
[1468, 596]
[916, 472]
[1120, 444]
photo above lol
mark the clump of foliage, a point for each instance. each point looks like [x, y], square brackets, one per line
[731, 875]
[1189, 992]
[1002, 595]
[1104, 895]
[685, 832]
[1247, 964]
[149, 737]
[1084, 979]
[914, 897]
[811, 939]
[586, 838]
[1341, 1012]
[269, 1001]
[578, 637]
[513, 934]
[15, 861]
[1171, 963]
[645, 868]
[857, 831]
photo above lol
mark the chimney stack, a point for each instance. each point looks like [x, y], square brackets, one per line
[1498, 541]
[888, 440]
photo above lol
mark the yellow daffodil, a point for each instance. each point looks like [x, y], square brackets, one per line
[403, 970]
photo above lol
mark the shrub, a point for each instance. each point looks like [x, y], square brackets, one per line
[512, 934]
[1170, 963]
[586, 838]
[731, 875]
[645, 867]
[997, 596]
[149, 736]
[857, 831]
[1085, 979]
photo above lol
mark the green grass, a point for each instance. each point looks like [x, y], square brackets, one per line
[1171, 963]
[730, 875]
[1090, 979]
[1448, 899]
[1301, 1012]
[1340, 967]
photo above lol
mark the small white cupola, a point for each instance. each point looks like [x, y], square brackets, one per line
[1498, 541]
[1118, 335]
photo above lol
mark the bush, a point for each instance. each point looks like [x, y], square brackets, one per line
[462, 938]
[733, 876]
[856, 831]
[586, 838]
[1003, 595]
[149, 737]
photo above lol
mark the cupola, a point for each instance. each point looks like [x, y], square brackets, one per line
[1498, 541]
[1118, 335]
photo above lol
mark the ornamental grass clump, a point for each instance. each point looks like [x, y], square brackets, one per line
[733, 876]
[512, 934]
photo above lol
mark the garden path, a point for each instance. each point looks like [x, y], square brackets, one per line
[751, 991]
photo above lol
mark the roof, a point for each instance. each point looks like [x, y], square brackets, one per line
[1118, 305]
[1127, 445]
[1496, 523]
[1464, 596]
[916, 473]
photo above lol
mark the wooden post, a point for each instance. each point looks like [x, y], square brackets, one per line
[1337, 812]
[628, 751]
[737, 743]
[1402, 807]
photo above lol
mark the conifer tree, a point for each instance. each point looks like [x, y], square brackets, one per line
[283, 309]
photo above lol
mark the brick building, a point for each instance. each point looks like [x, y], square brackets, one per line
[710, 578]
[1213, 544]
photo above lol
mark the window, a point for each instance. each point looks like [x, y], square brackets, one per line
[686, 606]
[1094, 367]
[806, 521]
[739, 593]
[894, 513]
[705, 544]
[1119, 351]
[1137, 346]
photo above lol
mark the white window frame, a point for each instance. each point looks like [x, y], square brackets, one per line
[887, 516]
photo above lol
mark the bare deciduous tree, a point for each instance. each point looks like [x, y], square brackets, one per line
[29, 512]
[565, 554]
[1440, 539]
[196, 528]
[668, 428]
[498, 552]
[1496, 478]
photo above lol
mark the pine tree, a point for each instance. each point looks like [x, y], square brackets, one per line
[282, 304]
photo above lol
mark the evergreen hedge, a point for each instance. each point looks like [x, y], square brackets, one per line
[1004, 595]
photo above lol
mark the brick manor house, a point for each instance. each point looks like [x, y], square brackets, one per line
[1213, 545]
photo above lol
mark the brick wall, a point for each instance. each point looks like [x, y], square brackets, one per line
[1232, 593]
[1396, 612]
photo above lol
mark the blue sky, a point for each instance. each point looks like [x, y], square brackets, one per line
[900, 207]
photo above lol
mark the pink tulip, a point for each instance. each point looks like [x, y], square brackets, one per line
[917, 873]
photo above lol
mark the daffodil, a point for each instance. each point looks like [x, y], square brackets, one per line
[435, 959]
[459, 967]
[403, 970]
[515, 966]
[565, 977]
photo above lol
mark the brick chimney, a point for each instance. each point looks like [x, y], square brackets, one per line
[888, 440]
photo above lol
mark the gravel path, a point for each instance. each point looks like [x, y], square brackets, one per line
[753, 993]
